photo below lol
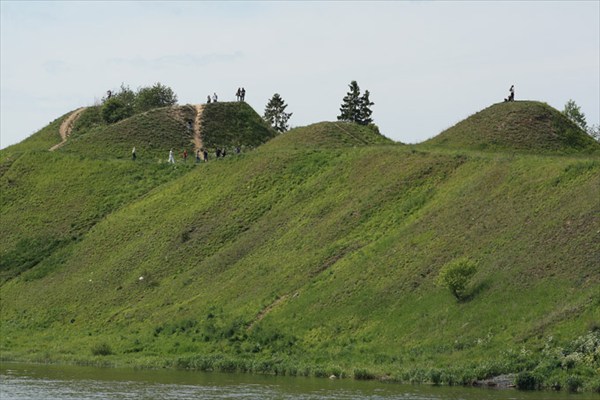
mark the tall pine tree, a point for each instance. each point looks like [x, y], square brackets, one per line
[356, 108]
[364, 113]
[275, 113]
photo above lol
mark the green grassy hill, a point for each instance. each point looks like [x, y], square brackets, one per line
[315, 254]
[519, 126]
[155, 132]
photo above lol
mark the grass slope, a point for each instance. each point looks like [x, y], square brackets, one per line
[330, 134]
[309, 260]
[233, 124]
[522, 125]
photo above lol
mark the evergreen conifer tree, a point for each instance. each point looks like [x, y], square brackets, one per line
[275, 113]
[365, 109]
[349, 110]
[356, 108]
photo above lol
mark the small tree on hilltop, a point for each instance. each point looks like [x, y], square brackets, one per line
[275, 113]
[119, 106]
[156, 96]
[115, 109]
[365, 109]
[456, 275]
[356, 108]
[573, 112]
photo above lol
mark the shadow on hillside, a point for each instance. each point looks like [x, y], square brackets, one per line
[476, 290]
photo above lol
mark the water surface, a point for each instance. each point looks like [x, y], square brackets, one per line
[60, 382]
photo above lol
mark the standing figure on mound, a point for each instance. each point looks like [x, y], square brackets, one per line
[511, 96]
[208, 99]
[214, 98]
[238, 95]
[243, 94]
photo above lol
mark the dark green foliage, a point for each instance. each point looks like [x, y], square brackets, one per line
[125, 95]
[363, 375]
[126, 103]
[365, 112]
[90, 118]
[527, 381]
[574, 383]
[275, 113]
[102, 349]
[574, 113]
[115, 110]
[155, 96]
[356, 108]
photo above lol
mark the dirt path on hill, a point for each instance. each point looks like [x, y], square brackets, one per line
[263, 313]
[66, 127]
[197, 127]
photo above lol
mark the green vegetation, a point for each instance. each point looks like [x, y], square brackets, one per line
[356, 108]
[315, 254]
[456, 275]
[229, 125]
[524, 126]
[275, 113]
[574, 113]
[126, 103]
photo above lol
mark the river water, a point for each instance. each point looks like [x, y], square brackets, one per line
[60, 382]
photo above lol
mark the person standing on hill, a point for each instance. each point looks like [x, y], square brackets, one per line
[243, 94]
[238, 95]
[511, 96]
[215, 97]
[208, 99]
[171, 158]
[133, 155]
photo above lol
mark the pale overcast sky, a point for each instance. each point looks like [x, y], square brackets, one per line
[427, 64]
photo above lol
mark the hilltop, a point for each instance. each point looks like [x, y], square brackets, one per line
[316, 253]
[522, 126]
[155, 132]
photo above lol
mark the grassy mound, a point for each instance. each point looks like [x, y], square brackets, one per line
[227, 125]
[329, 135]
[153, 133]
[522, 125]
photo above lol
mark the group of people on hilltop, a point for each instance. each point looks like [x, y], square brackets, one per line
[240, 95]
[201, 154]
[214, 99]
[511, 94]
